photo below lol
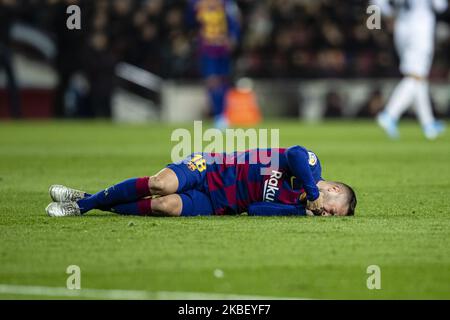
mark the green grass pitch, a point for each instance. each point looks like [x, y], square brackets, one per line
[401, 224]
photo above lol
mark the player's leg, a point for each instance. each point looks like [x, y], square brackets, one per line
[430, 126]
[422, 100]
[126, 191]
[130, 190]
[216, 91]
[416, 55]
[216, 71]
[177, 186]
[65, 198]
[169, 205]
[402, 96]
[190, 203]
[163, 183]
[176, 178]
[196, 203]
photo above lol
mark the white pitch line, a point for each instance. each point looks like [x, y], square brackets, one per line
[114, 294]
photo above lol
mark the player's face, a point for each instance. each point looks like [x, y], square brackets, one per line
[334, 202]
[334, 208]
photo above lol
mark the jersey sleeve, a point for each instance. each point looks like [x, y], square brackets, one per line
[298, 160]
[275, 209]
[232, 14]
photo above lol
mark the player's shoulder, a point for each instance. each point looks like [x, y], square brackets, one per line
[313, 159]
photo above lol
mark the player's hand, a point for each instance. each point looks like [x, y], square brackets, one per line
[316, 206]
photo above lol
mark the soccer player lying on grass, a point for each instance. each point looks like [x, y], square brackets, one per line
[220, 184]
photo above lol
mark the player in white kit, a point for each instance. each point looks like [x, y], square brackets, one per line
[414, 40]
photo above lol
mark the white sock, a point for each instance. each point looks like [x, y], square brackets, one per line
[402, 97]
[423, 103]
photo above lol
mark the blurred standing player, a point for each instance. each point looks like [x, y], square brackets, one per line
[218, 24]
[414, 39]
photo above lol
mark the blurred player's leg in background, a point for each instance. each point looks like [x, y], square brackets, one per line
[414, 39]
[400, 100]
[217, 84]
[431, 127]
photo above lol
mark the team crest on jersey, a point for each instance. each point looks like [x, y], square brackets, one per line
[312, 158]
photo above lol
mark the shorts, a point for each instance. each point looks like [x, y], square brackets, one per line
[191, 174]
[196, 203]
[415, 49]
[416, 62]
[215, 66]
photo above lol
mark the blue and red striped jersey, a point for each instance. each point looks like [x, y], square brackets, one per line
[218, 23]
[278, 175]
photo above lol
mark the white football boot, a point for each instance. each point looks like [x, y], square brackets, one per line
[388, 124]
[433, 130]
[60, 193]
[63, 209]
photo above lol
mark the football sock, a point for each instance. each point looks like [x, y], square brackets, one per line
[401, 98]
[217, 96]
[127, 191]
[141, 207]
[423, 104]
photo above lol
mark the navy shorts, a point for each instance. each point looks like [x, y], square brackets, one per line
[191, 174]
[215, 66]
[196, 203]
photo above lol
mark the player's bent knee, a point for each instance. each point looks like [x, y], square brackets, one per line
[163, 183]
[156, 184]
[167, 205]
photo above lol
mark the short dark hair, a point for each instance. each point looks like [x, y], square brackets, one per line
[351, 199]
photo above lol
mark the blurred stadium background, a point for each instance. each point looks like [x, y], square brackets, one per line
[136, 60]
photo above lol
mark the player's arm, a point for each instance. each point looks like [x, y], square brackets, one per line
[233, 22]
[275, 209]
[298, 162]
